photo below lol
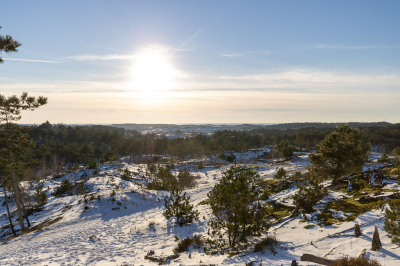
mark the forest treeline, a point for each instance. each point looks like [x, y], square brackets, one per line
[80, 144]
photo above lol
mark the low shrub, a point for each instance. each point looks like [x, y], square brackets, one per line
[268, 242]
[65, 187]
[40, 196]
[81, 189]
[186, 179]
[187, 242]
[281, 173]
[351, 261]
[126, 175]
[309, 193]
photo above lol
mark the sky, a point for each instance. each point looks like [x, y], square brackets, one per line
[102, 62]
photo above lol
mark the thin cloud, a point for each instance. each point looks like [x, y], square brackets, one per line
[269, 110]
[351, 47]
[232, 54]
[237, 54]
[101, 57]
[30, 60]
[191, 38]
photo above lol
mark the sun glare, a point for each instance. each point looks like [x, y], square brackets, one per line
[153, 75]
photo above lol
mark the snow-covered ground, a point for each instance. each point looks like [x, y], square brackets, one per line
[102, 231]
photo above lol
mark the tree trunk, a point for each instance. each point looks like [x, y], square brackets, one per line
[14, 183]
[315, 259]
[17, 196]
[26, 213]
[8, 211]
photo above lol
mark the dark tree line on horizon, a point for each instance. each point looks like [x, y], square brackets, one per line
[80, 144]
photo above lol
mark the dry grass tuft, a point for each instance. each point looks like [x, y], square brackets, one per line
[187, 242]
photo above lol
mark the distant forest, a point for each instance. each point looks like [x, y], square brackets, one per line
[81, 144]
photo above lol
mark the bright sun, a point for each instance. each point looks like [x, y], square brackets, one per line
[153, 75]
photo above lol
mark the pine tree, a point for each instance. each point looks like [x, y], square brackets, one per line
[235, 208]
[384, 158]
[285, 149]
[14, 140]
[281, 173]
[40, 196]
[310, 191]
[340, 153]
[178, 207]
[8, 45]
[392, 222]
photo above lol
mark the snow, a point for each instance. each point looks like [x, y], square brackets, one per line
[120, 232]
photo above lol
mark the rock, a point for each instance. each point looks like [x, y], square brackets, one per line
[357, 230]
[294, 263]
[376, 242]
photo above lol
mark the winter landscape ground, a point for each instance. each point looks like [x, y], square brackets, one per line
[100, 229]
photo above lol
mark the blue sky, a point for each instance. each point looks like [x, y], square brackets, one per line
[231, 61]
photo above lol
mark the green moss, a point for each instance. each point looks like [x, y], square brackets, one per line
[277, 211]
[273, 186]
[309, 226]
[326, 218]
[361, 185]
[356, 207]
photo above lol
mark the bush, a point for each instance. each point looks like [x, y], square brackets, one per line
[396, 151]
[92, 164]
[281, 173]
[164, 180]
[231, 158]
[40, 196]
[392, 225]
[187, 242]
[186, 179]
[285, 149]
[110, 156]
[65, 187]
[310, 191]
[384, 158]
[345, 261]
[81, 189]
[178, 207]
[126, 175]
[268, 242]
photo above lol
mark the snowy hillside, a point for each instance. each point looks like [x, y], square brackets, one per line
[100, 228]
